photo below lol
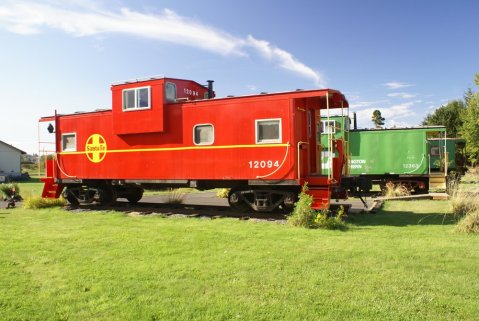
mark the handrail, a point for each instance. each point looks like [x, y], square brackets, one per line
[55, 158]
[446, 160]
[299, 156]
[330, 141]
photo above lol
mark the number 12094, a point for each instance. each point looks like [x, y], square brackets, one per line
[263, 164]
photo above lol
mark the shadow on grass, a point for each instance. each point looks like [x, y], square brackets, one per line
[401, 218]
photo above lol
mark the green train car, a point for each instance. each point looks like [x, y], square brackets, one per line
[418, 157]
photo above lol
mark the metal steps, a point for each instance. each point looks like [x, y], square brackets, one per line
[321, 197]
[50, 188]
[437, 180]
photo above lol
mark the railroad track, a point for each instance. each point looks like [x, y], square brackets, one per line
[186, 210]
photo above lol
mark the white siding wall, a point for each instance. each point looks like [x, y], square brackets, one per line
[9, 160]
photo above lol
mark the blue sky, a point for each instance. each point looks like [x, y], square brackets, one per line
[405, 58]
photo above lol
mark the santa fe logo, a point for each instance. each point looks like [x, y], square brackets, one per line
[95, 148]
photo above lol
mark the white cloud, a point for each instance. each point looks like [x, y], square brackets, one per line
[284, 59]
[355, 104]
[393, 123]
[401, 95]
[352, 96]
[399, 111]
[396, 85]
[29, 18]
[391, 114]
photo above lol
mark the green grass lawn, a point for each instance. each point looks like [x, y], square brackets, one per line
[394, 265]
[33, 187]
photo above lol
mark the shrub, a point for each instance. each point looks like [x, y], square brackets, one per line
[303, 215]
[223, 193]
[175, 196]
[36, 202]
[465, 206]
[323, 220]
[469, 223]
[472, 175]
[11, 190]
[463, 203]
[395, 190]
[453, 182]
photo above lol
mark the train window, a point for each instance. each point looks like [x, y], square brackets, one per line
[143, 98]
[136, 98]
[268, 131]
[203, 134]
[69, 142]
[435, 151]
[329, 126]
[170, 91]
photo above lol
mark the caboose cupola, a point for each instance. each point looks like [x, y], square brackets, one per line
[139, 105]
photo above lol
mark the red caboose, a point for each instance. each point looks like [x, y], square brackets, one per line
[166, 132]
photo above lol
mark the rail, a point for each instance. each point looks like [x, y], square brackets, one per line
[299, 156]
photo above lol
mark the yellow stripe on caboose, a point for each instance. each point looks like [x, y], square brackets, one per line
[179, 148]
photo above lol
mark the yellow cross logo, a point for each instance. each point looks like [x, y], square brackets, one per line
[95, 148]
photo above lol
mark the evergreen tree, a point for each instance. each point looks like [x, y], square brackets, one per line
[377, 119]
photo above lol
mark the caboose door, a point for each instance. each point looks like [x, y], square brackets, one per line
[314, 142]
[308, 131]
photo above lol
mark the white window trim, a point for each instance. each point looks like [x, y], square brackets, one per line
[269, 141]
[208, 143]
[176, 91]
[324, 132]
[70, 149]
[136, 108]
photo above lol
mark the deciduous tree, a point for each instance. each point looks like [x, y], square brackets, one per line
[470, 126]
[449, 115]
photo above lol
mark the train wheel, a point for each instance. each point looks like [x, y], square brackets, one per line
[106, 195]
[288, 203]
[236, 201]
[71, 196]
[135, 196]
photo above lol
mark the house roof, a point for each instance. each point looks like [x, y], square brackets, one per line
[13, 147]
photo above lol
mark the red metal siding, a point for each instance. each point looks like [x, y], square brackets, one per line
[138, 121]
[172, 154]
[151, 120]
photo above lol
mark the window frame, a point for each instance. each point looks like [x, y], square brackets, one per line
[176, 91]
[437, 151]
[74, 149]
[323, 123]
[278, 140]
[206, 143]
[136, 91]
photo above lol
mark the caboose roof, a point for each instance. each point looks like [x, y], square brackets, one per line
[149, 79]
[336, 97]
